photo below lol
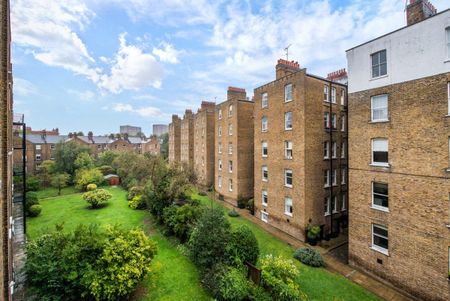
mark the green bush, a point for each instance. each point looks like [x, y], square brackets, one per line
[233, 285]
[124, 262]
[31, 199]
[106, 170]
[257, 293]
[279, 277]
[251, 206]
[33, 183]
[313, 231]
[209, 239]
[137, 203]
[97, 198]
[85, 177]
[181, 220]
[88, 263]
[34, 210]
[135, 191]
[91, 187]
[242, 246]
[309, 256]
[233, 213]
[241, 202]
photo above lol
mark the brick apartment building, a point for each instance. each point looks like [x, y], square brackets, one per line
[234, 146]
[6, 122]
[300, 141]
[204, 143]
[399, 108]
[97, 144]
[187, 138]
[174, 139]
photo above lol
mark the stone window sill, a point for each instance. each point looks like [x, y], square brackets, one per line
[379, 77]
[380, 208]
[379, 121]
[379, 250]
[386, 165]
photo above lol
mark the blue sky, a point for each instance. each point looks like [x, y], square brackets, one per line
[97, 64]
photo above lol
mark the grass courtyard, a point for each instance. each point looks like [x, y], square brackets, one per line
[173, 275]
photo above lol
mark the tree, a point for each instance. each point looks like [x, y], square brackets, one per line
[106, 158]
[165, 145]
[46, 170]
[209, 239]
[84, 161]
[60, 181]
[97, 198]
[80, 133]
[88, 176]
[65, 156]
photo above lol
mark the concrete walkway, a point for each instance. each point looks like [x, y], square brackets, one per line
[19, 248]
[381, 289]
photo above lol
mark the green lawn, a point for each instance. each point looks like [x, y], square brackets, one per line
[174, 277]
[52, 192]
[317, 283]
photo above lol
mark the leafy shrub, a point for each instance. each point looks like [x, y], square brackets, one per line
[241, 202]
[181, 220]
[279, 277]
[88, 263]
[97, 198]
[209, 239]
[242, 246]
[84, 161]
[257, 293]
[85, 177]
[137, 203]
[124, 262]
[31, 199]
[106, 170]
[309, 256]
[135, 191]
[59, 181]
[91, 187]
[33, 183]
[313, 231]
[233, 213]
[251, 206]
[233, 285]
[34, 210]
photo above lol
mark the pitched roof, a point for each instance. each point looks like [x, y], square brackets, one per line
[39, 139]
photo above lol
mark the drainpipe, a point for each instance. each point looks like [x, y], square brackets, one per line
[331, 157]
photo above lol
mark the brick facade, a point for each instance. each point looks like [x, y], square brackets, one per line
[174, 139]
[204, 143]
[306, 161]
[235, 146]
[187, 138]
[418, 131]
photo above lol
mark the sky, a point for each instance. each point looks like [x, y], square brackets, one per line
[93, 65]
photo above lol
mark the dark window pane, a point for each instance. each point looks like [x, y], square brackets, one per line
[381, 242]
[380, 231]
[380, 157]
[375, 71]
[375, 59]
[380, 188]
[383, 69]
[380, 200]
[382, 56]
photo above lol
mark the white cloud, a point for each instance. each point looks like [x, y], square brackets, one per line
[133, 69]
[142, 111]
[22, 87]
[167, 53]
[86, 95]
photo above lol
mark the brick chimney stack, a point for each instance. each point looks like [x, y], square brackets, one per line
[284, 68]
[339, 76]
[419, 10]
[175, 118]
[236, 93]
[208, 106]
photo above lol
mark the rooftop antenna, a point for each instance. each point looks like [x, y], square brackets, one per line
[287, 51]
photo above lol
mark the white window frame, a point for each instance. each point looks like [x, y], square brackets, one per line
[327, 177]
[230, 166]
[264, 100]
[326, 93]
[38, 147]
[384, 108]
[326, 150]
[328, 211]
[343, 97]
[288, 204]
[264, 168]
[288, 93]
[333, 121]
[230, 110]
[334, 177]
[286, 171]
[264, 146]
[264, 216]
[219, 148]
[264, 124]
[286, 119]
[376, 206]
[379, 64]
[230, 184]
[343, 123]
[264, 198]
[288, 146]
[382, 164]
[447, 34]
[333, 150]
[219, 181]
[220, 164]
[377, 247]
[333, 94]
[230, 148]
[448, 95]
[326, 119]
[230, 129]
[335, 204]
[220, 114]
[344, 176]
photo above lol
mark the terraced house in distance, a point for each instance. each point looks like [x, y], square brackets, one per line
[300, 139]
[399, 111]
[234, 147]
